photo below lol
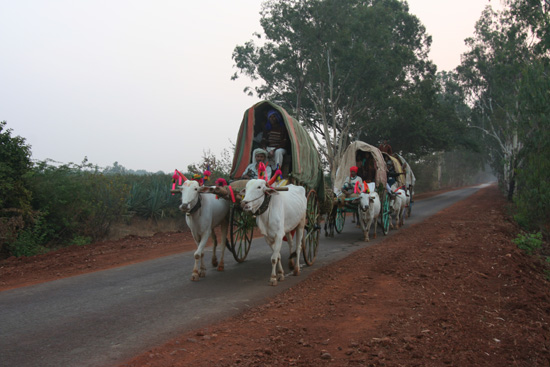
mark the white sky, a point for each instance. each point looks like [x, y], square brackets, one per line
[147, 83]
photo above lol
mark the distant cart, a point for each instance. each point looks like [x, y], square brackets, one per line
[301, 166]
[409, 180]
[371, 168]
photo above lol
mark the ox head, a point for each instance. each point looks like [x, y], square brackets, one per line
[365, 200]
[254, 194]
[190, 191]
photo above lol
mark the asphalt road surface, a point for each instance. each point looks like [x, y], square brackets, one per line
[107, 317]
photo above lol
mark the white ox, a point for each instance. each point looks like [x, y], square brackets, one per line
[369, 210]
[204, 214]
[398, 203]
[277, 214]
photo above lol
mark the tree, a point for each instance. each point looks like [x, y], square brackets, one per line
[340, 66]
[15, 163]
[492, 72]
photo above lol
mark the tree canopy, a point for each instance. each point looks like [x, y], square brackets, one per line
[348, 69]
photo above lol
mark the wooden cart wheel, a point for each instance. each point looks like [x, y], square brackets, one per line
[409, 208]
[340, 219]
[312, 230]
[385, 213]
[241, 228]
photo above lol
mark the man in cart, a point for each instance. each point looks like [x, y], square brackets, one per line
[275, 139]
[351, 181]
[251, 171]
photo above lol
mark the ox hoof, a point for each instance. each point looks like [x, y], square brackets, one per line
[202, 274]
[296, 272]
[221, 267]
[273, 282]
[367, 239]
[374, 236]
[291, 264]
[280, 277]
[195, 277]
[214, 262]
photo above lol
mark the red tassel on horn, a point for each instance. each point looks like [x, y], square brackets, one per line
[278, 174]
[357, 190]
[261, 171]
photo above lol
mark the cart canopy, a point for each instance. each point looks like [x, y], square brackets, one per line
[305, 162]
[349, 159]
[410, 179]
[398, 168]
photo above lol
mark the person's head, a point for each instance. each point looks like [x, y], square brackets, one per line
[260, 155]
[274, 119]
[353, 171]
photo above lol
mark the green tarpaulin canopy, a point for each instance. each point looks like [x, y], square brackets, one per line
[305, 161]
[349, 159]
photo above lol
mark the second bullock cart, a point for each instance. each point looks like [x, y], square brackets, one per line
[371, 168]
[301, 166]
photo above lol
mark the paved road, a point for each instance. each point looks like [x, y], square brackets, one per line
[105, 318]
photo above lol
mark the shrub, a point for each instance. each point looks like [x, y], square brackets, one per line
[529, 242]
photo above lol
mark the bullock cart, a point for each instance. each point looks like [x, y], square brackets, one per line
[410, 180]
[372, 169]
[301, 166]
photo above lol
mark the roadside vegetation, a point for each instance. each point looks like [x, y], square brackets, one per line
[334, 65]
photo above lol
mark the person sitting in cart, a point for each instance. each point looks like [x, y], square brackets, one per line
[392, 176]
[275, 138]
[385, 147]
[349, 183]
[251, 171]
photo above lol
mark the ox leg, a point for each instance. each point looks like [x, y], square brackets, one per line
[375, 227]
[224, 226]
[277, 272]
[214, 248]
[199, 270]
[299, 244]
[291, 261]
[367, 230]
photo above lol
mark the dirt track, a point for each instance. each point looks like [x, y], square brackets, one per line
[451, 291]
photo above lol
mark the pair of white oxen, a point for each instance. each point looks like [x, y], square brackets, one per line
[277, 214]
[369, 207]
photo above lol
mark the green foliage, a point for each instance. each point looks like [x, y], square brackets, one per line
[30, 240]
[219, 166]
[15, 197]
[529, 242]
[150, 198]
[346, 68]
[81, 240]
[532, 202]
[78, 199]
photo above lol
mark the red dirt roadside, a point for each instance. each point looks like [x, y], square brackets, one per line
[450, 291]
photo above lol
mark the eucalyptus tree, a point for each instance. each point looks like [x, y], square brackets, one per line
[337, 65]
[506, 48]
[492, 72]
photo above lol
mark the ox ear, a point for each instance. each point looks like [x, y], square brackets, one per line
[242, 193]
[207, 189]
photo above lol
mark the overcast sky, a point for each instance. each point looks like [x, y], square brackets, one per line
[147, 83]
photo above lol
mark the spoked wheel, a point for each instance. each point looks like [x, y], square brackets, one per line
[241, 227]
[312, 230]
[409, 208]
[385, 213]
[340, 219]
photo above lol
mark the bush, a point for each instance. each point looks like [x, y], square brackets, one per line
[529, 242]
[78, 200]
